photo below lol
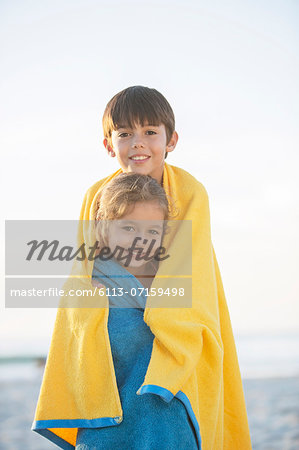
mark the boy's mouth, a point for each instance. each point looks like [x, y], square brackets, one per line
[139, 158]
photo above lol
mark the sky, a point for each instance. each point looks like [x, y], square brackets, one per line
[229, 70]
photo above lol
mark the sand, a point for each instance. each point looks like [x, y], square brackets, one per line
[272, 406]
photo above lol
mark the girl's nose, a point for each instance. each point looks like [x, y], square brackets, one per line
[143, 240]
[138, 236]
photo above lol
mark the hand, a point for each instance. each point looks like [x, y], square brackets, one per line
[97, 284]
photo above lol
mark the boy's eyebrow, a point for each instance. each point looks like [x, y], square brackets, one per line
[145, 125]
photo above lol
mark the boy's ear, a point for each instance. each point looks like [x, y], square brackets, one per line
[172, 143]
[108, 148]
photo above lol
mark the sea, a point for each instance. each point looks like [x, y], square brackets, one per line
[260, 356]
[269, 366]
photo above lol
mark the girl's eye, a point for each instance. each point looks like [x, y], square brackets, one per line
[123, 134]
[155, 232]
[128, 228]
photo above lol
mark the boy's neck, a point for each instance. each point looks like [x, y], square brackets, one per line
[160, 179]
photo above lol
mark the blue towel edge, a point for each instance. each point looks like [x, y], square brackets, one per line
[167, 396]
[41, 426]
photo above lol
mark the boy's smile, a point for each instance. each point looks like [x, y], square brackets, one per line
[141, 149]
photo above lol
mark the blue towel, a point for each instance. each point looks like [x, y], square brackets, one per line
[149, 423]
[118, 280]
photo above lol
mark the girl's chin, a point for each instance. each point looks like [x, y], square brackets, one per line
[133, 265]
[133, 262]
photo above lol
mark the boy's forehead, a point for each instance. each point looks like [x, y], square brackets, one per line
[136, 124]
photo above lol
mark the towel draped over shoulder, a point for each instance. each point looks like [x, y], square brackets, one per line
[148, 422]
[193, 355]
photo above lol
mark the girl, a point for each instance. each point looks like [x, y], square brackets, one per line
[140, 201]
[134, 208]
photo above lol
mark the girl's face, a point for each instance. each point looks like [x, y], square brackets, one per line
[143, 227]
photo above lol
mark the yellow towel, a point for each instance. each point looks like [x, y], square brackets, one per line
[193, 357]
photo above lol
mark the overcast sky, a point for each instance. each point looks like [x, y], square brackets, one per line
[229, 70]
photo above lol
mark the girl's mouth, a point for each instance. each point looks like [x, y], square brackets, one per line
[137, 253]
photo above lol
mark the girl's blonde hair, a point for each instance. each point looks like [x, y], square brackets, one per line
[121, 194]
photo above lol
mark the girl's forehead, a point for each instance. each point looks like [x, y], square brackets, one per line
[145, 211]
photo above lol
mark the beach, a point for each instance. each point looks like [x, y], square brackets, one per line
[272, 407]
[273, 412]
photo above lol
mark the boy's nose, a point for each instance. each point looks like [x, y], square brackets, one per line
[138, 142]
[138, 145]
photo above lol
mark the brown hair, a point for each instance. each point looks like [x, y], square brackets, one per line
[138, 104]
[120, 195]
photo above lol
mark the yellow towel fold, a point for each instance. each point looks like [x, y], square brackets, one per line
[193, 356]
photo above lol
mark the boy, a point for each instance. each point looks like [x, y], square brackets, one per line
[139, 130]
[193, 356]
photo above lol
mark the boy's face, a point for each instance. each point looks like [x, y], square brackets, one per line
[141, 149]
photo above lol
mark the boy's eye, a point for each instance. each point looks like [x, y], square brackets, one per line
[151, 132]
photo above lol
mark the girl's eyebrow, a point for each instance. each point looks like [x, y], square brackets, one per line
[126, 222]
[135, 222]
[159, 227]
